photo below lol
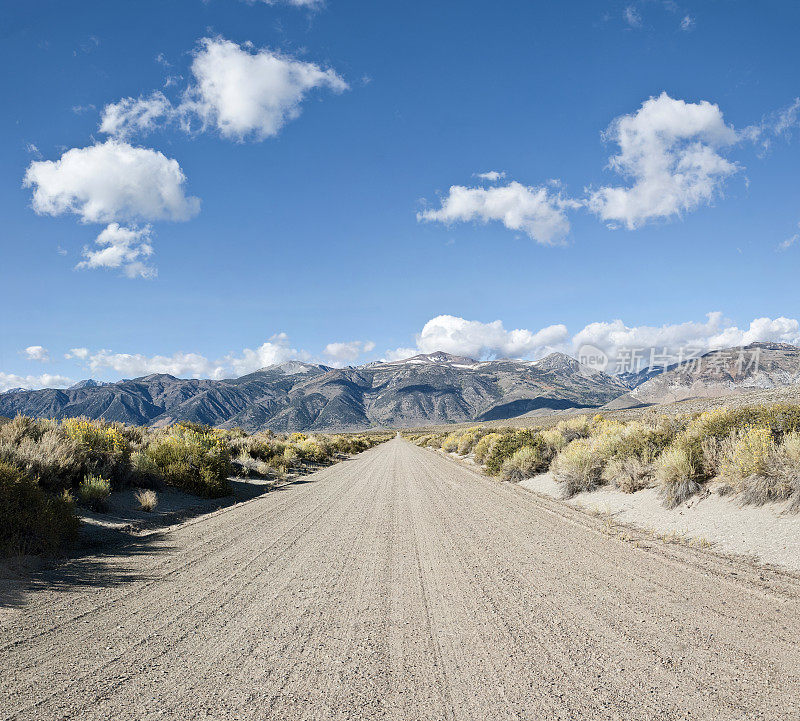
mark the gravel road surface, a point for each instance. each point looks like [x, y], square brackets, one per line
[401, 585]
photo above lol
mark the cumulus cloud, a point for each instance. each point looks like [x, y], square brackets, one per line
[244, 92]
[138, 364]
[276, 350]
[535, 211]
[123, 248]
[475, 339]
[111, 182]
[671, 152]
[131, 116]
[345, 353]
[77, 353]
[36, 353]
[238, 90]
[9, 381]
[614, 339]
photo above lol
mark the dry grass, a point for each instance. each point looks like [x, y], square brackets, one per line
[675, 474]
[147, 499]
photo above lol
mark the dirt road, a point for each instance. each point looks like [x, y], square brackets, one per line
[401, 585]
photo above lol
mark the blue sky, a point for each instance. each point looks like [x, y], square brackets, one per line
[290, 190]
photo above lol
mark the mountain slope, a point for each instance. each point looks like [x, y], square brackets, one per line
[719, 373]
[434, 388]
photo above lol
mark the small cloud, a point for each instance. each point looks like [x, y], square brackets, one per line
[789, 242]
[77, 353]
[632, 17]
[162, 60]
[37, 353]
[33, 150]
[81, 109]
[687, 24]
[492, 176]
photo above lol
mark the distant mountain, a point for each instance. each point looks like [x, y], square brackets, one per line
[88, 383]
[433, 388]
[719, 373]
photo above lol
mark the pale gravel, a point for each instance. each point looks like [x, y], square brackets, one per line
[401, 585]
[766, 534]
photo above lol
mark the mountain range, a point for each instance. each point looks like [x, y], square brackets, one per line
[433, 388]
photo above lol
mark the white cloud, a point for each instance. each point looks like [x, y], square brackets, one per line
[310, 4]
[532, 210]
[124, 248]
[136, 364]
[400, 354]
[37, 353]
[77, 353]
[345, 353]
[615, 339]
[789, 242]
[276, 350]
[238, 90]
[130, 365]
[131, 116]
[632, 17]
[8, 381]
[670, 151]
[687, 23]
[475, 339]
[111, 181]
[243, 92]
[492, 176]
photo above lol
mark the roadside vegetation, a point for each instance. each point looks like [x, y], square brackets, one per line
[50, 468]
[752, 452]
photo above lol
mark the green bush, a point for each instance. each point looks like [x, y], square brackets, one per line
[32, 520]
[194, 461]
[525, 463]
[505, 446]
[483, 446]
[93, 492]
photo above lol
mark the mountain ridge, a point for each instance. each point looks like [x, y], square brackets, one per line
[428, 388]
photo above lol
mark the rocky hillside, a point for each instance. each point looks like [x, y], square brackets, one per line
[434, 388]
[759, 366]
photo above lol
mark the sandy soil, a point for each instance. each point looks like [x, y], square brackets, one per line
[401, 585]
[767, 534]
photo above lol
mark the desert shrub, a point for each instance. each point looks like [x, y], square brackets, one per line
[628, 473]
[450, 443]
[525, 463]
[290, 456]
[749, 454]
[553, 439]
[578, 467]
[483, 445]
[57, 461]
[32, 520]
[505, 446]
[194, 461]
[467, 442]
[147, 499]
[311, 449]
[93, 492]
[575, 427]
[676, 474]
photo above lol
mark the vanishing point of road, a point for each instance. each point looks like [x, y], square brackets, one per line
[402, 585]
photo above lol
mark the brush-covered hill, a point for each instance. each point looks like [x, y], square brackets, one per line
[433, 388]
